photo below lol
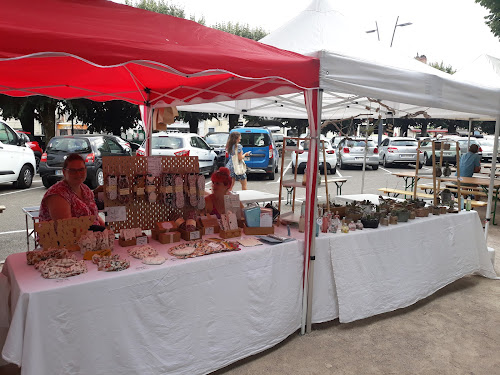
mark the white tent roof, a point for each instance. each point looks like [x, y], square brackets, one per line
[484, 70]
[360, 77]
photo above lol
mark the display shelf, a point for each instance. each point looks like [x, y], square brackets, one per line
[290, 217]
[292, 184]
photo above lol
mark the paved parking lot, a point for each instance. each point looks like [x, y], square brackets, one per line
[12, 221]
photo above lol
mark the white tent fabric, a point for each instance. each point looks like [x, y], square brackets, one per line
[354, 69]
[484, 70]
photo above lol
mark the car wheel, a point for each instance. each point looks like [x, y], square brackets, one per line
[427, 160]
[98, 179]
[25, 178]
[271, 175]
[37, 162]
[341, 165]
[215, 167]
[47, 182]
[420, 165]
[375, 167]
[300, 170]
[333, 170]
[276, 169]
[385, 163]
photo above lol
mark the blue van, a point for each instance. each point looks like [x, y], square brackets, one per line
[264, 154]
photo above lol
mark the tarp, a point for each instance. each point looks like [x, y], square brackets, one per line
[354, 69]
[101, 50]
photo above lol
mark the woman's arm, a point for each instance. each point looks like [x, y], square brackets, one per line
[242, 155]
[59, 207]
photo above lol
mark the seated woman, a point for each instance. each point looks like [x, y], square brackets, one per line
[221, 185]
[70, 197]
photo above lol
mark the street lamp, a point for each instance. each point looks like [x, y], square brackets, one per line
[396, 25]
[372, 31]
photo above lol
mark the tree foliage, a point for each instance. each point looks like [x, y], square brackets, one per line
[445, 68]
[493, 18]
[244, 30]
[158, 6]
[112, 117]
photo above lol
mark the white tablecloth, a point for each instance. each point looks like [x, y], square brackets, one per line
[369, 272]
[188, 316]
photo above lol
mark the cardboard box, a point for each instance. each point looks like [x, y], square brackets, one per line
[230, 233]
[134, 241]
[210, 224]
[258, 230]
[191, 235]
[169, 237]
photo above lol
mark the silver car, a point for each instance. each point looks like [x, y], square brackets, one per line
[487, 147]
[351, 151]
[399, 150]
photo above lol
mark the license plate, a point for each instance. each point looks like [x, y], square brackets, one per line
[407, 156]
[358, 158]
[247, 158]
[59, 172]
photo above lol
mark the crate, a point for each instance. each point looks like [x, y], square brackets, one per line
[191, 235]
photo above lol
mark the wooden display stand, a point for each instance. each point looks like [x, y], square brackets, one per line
[63, 233]
[292, 185]
[140, 213]
[210, 225]
[230, 233]
[258, 230]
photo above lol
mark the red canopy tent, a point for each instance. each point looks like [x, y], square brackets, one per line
[100, 50]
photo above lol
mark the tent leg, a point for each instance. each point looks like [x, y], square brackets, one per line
[492, 178]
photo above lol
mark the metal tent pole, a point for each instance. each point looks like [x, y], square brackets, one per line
[492, 177]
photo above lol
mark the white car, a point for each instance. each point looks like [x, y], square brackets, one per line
[331, 157]
[17, 161]
[182, 144]
[487, 147]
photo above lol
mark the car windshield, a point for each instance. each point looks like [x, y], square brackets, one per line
[68, 145]
[167, 142]
[278, 137]
[404, 142]
[359, 143]
[305, 145]
[217, 138]
[255, 139]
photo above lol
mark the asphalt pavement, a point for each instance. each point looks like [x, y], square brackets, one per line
[13, 225]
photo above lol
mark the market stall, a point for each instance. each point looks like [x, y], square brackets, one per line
[185, 316]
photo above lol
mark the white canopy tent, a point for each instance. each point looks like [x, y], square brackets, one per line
[357, 76]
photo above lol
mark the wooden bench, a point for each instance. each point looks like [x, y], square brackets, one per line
[397, 192]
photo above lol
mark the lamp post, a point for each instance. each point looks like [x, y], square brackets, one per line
[372, 31]
[396, 25]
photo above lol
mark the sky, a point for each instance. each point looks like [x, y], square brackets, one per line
[451, 31]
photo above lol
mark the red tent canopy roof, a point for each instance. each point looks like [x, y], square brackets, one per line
[102, 50]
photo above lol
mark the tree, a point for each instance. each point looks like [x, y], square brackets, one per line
[493, 18]
[244, 30]
[29, 109]
[447, 69]
[114, 116]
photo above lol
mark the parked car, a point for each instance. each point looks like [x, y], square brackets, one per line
[17, 160]
[278, 141]
[331, 157]
[91, 147]
[449, 155]
[264, 154]
[182, 144]
[351, 151]
[32, 143]
[487, 149]
[218, 142]
[399, 150]
[464, 148]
